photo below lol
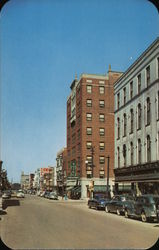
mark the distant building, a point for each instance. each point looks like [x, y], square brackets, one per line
[47, 178]
[24, 181]
[90, 131]
[31, 180]
[36, 182]
[137, 125]
[61, 170]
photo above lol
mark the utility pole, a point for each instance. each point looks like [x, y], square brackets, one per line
[108, 157]
[92, 154]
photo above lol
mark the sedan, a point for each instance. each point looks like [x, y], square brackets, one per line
[98, 202]
[20, 195]
[6, 195]
[117, 204]
[144, 207]
[53, 196]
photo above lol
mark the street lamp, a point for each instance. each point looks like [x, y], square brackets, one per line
[107, 157]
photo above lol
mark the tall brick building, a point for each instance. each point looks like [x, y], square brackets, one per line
[90, 130]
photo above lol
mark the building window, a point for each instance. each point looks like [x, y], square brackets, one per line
[89, 88]
[125, 125]
[118, 128]
[89, 103]
[101, 173]
[89, 144]
[124, 154]
[131, 121]
[101, 117]
[124, 95]
[89, 117]
[139, 151]
[139, 116]
[101, 159]
[148, 149]
[101, 131]
[101, 145]
[118, 156]
[131, 90]
[148, 75]
[89, 131]
[131, 154]
[101, 89]
[89, 160]
[148, 111]
[118, 100]
[139, 83]
[101, 103]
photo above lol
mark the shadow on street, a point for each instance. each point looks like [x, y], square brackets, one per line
[12, 202]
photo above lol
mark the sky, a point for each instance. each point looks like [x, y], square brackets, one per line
[43, 44]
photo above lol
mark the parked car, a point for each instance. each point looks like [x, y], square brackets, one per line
[42, 194]
[6, 195]
[20, 195]
[98, 202]
[47, 194]
[144, 207]
[117, 204]
[53, 196]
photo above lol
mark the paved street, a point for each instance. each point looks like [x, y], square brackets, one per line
[36, 223]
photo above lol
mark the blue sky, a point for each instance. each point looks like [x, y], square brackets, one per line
[44, 43]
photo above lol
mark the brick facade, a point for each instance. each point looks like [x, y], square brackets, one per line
[93, 111]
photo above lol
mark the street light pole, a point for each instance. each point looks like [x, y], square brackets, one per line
[108, 157]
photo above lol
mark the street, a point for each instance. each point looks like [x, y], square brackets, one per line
[35, 222]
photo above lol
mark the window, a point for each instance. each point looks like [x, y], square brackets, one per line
[89, 103]
[148, 75]
[101, 145]
[89, 131]
[131, 154]
[79, 134]
[148, 149]
[148, 111]
[101, 89]
[89, 144]
[89, 88]
[101, 159]
[139, 83]
[101, 173]
[101, 103]
[118, 128]
[101, 117]
[118, 100]
[118, 156]
[89, 159]
[89, 117]
[131, 90]
[125, 125]
[124, 95]
[139, 151]
[101, 131]
[124, 154]
[131, 121]
[139, 116]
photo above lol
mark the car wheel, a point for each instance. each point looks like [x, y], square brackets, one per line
[143, 217]
[126, 213]
[106, 209]
[118, 211]
[89, 206]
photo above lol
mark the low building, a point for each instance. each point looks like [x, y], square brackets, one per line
[46, 179]
[137, 125]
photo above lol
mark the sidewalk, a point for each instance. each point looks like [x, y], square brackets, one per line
[71, 200]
